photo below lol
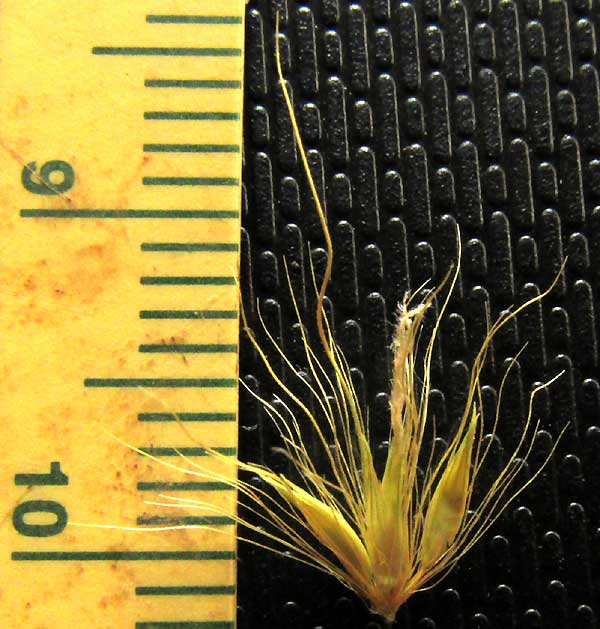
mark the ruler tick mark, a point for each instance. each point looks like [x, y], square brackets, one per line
[185, 624]
[186, 451]
[190, 181]
[168, 383]
[193, 19]
[191, 148]
[162, 214]
[184, 590]
[191, 115]
[188, 314]
[190, 247]
[125, 555]
[183, 486]
[213, 348]
[165, 51]
[187, 280]
[191, 520]
[219, 84]
[186, 417]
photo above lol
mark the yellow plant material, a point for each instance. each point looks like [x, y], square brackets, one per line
[387, 536]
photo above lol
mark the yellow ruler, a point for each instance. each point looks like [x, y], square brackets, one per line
[120, 165]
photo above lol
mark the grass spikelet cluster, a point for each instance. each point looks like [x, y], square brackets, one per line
[384, 535]
[387, 535]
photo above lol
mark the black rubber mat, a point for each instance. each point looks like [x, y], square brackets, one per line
[417, 116]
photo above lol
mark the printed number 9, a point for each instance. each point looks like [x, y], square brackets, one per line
[54, 177]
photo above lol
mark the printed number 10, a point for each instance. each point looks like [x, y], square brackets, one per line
[51, 507]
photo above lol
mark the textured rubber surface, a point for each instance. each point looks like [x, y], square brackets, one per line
[419, 115]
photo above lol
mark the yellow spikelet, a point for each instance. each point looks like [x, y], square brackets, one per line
[447, 508]
[328, 525]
